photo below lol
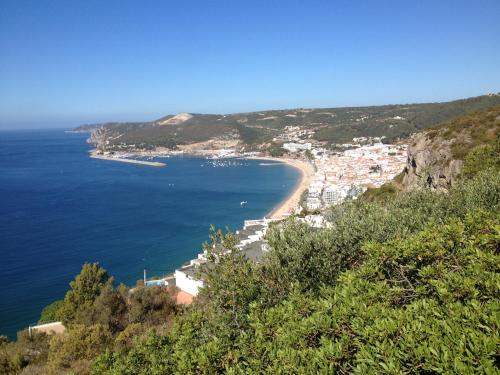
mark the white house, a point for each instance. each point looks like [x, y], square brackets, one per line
[184, 280]
[313, 203]
[294, 147]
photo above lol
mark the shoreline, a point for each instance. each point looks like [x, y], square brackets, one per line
[286, 207]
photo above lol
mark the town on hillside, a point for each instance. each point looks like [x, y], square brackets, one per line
[337, 176]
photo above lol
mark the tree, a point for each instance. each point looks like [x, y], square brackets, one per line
[276, 150]
[108, 309]
[51, 312]
[125, 339]
[27, 350]
[151, 305]
[228, 267]
[86, 287]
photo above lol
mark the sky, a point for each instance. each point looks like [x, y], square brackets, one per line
[68, 62]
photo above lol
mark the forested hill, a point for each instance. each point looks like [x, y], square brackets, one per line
[256, 130]
[403, 285]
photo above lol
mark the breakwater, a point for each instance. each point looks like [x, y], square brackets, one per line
[131, 161]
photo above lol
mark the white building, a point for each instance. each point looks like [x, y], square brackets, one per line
[185, 281]
[250, 243]
[315, 221]
[331, 195]
[313, 203]
[295, 147]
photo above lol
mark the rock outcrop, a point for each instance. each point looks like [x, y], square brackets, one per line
[435, 155]
[97, 138]
[430, 165]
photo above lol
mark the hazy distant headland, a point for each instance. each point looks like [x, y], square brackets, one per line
[266, 131]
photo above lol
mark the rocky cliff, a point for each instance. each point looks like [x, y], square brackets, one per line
[428, 166]
[435, 156]
[97, 138]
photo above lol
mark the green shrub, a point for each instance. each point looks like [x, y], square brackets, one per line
[108, 309]
[78, 345]
[51, 312]
[151, 305]
[383, 193]
[314, 258]
[84, 290]
[424, 303]
[481, 158]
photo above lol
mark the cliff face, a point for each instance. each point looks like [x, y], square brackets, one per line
[97, 138]
[430, 165]
[435, 156]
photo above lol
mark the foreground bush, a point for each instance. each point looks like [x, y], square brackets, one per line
[76, 347]
[314, 259]
[422, 304]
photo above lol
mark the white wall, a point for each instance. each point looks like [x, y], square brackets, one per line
[186, 283]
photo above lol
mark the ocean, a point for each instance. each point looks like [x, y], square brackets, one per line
[59, 208]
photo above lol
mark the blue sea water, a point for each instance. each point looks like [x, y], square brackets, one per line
[59, 208]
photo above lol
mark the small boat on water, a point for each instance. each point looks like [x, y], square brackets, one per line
[243, 203]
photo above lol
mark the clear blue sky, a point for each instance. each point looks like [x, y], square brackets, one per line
[67, 62]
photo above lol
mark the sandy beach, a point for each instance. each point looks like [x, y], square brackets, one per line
[286, 207]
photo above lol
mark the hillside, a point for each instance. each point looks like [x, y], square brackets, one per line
[256, 130]
[440, 155]
[435, 156]
[406, 285]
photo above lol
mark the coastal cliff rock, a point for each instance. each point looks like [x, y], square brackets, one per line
[428, 166]
[436, 156]
[97, 138]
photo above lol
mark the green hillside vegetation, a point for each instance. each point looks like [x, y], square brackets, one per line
[106, 318]
[474, 138]
[382, 193]
[405, 284]
[332, 125]
[469, 131]
[407, 287]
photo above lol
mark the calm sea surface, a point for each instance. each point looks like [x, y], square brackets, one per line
[59, 209]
